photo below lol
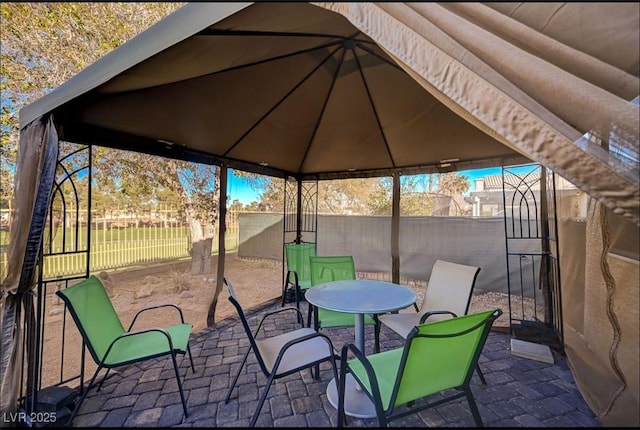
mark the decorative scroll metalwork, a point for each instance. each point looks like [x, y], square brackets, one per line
[300, 214]
[532, 254]
[67, 234]
[300, 210]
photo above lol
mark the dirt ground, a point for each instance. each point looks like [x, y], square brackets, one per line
[255, 282]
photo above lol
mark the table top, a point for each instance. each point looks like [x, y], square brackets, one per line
[360, 296]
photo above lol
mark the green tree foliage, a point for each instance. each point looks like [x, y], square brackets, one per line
[379, 202]
[346, 196]
[413, 200]
[195, 187]
[271, 196]
[451, 184]
[419, 196]
[45, 44]
[236, 206]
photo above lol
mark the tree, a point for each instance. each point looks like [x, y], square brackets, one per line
[346, 196]
[272, 196]
[236, 206]
[379, 202]
[196, 187]
[452, 183]
[8, 155]
[43, 45]
[417, 196]
[414, 198]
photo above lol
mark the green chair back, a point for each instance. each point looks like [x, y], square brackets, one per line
[94, 315]
[438, 357]
[442, 353]
[329, 268]
[297, 255]
[110, 344]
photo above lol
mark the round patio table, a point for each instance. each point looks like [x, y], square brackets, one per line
[359, 297]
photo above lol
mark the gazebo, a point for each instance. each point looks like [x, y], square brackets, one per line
[321, 91]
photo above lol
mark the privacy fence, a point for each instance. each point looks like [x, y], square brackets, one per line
[474, 241]
[131, 240]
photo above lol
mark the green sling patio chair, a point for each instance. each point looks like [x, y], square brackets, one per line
[110, 345]
[438, 357]
[282, 354]
[298, 270]
[335, 268]
[448, 293]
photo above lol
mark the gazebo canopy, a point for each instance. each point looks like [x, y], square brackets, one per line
[332, 90]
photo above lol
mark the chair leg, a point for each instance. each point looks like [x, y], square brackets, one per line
[193, 369]
[104, 378]
[313, 313]
[285, 287]
[340, 382]
[284, 291]
[298, 294]
[235, 379]
[175, 367]
[334, 365]
[263, 397]
[309, 313]
[480, 374]
[376, 332]
[316, 327]
[474, 408]
[84, 396]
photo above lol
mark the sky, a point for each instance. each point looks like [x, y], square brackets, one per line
[239, 189]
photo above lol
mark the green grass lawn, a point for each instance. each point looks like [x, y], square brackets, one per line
[66, 252]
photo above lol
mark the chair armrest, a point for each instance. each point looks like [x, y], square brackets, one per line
[415, 306]
[156, 307]
[277, 311]
[426, 315]
[301, 339]
[371, 374]
[138, 333]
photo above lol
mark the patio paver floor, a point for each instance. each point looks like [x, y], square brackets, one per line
[519, 392]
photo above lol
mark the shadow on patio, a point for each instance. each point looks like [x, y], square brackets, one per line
[520, 392]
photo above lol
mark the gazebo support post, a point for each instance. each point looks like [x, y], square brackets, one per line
[395, 230]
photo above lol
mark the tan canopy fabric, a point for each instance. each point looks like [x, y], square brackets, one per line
[38, 154]
[295, 89]
[519, 73]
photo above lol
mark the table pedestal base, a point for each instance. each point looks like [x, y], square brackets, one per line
[356, 402]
